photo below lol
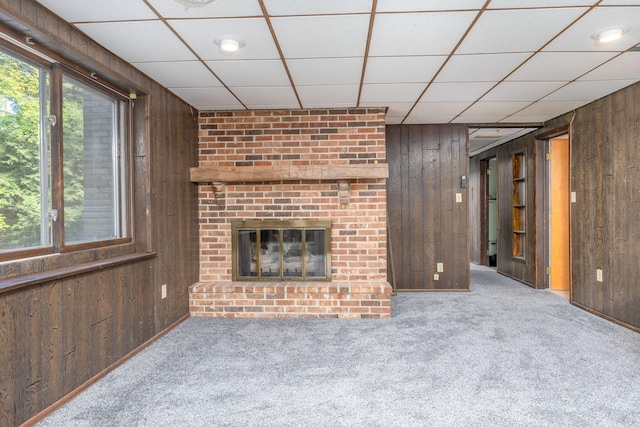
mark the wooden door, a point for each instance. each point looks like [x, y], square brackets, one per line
[559, 212]
[427, 207]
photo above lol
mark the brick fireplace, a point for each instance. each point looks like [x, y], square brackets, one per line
[325, 165]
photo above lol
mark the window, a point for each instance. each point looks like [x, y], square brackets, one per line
[519, 204]
[281, 250]
[62, 166]
[92, 165]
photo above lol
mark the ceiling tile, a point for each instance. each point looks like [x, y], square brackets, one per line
[99, 10]
[393, 120]
[528, 118]
[315, 7]
[435, 112]
[624, 67]
[578, 37]
[479, 118]
[521, 91]
[480, 68]
[500, 31]
[557, 66]
[154, 42]
[217, 9]
[387, 93]
[267, 97]
[251, 73]
[461, 91]
[502, 109]
[254, 32]
[548, 110]
[322, 36]
[328, 96]
[208, 98]
[402, 69]
[510, 4]
[172, 74]
[395, 110]
[424, 6]
[309, 72]
[619, 2]
[587, 90]
[428, 33]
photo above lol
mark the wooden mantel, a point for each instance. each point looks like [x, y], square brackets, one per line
[294, 173]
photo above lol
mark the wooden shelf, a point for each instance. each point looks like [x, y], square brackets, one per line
[270, 173]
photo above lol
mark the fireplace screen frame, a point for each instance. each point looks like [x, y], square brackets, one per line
[279, 228]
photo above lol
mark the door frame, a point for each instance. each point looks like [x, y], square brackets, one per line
[543, 199]
[484, 211]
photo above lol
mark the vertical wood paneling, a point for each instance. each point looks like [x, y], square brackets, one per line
[52, 352]
[12, 343]
[394, 200]
[605, 218]
[32, 359]
[426, 162]
[68, 335]
[84, 342]
[55, 336]
[405, 210]
[522, 270]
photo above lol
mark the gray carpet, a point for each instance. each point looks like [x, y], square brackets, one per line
[501, 355]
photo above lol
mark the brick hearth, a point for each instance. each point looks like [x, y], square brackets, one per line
[290, 299]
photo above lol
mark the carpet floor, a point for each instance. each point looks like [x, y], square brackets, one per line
[500, 355]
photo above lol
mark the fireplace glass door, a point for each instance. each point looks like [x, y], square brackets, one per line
[281, 250]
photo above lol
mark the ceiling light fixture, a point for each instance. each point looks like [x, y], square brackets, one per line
[228, 44]
[194, 3]
[610, 34]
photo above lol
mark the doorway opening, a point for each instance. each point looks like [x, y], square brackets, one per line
[489, 223]
[559, 267]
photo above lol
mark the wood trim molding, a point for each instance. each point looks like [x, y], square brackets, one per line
[60, 273]
[282, 173]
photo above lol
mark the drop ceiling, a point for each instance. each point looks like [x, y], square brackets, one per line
[487, 63]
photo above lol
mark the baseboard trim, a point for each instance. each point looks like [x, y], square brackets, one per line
[606, 317]
[75, 392]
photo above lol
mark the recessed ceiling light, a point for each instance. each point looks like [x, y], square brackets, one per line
[194, 3]
[228, 44]
[610, 34]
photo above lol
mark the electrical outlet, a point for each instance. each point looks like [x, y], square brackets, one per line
[440, 267]
[599, 275]
[573, 197]
[164, 291]
[436, 276]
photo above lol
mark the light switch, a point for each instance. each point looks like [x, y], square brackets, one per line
[436, 276]
[458, 197]
[599, 275]
[573, 197]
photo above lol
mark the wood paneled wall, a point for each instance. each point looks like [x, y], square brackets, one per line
[527, 270]
[520, 269]
[605, 219]
[426, 224]
[56, 335]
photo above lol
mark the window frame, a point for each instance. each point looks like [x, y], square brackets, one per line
[124, 188]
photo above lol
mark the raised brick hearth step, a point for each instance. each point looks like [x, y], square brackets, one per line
[290, 299]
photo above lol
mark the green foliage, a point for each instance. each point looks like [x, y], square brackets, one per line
[20, 199]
